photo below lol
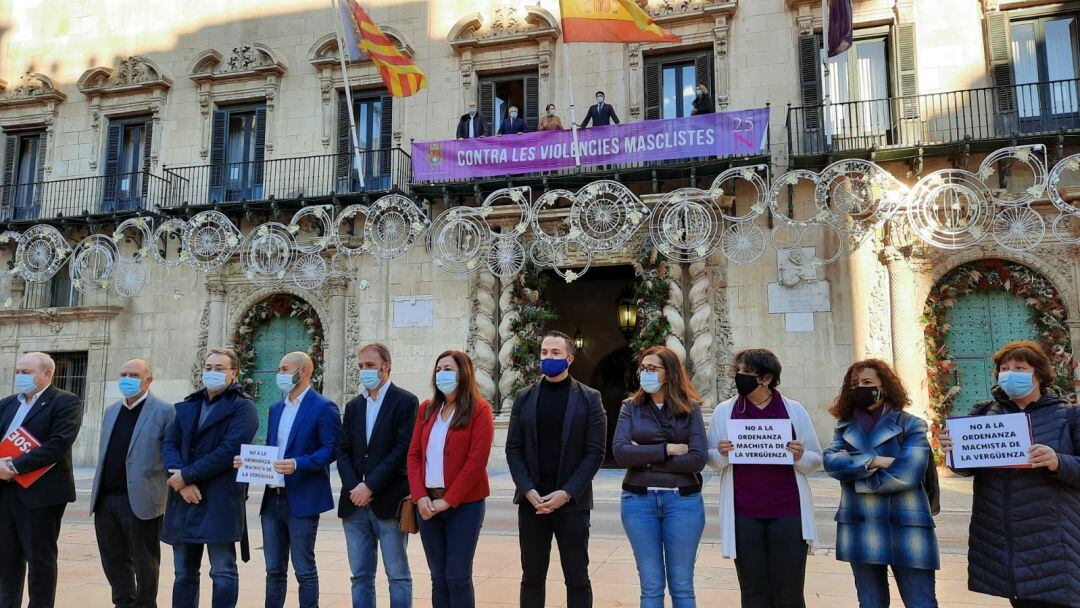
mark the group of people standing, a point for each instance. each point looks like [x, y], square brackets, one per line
[168, 472]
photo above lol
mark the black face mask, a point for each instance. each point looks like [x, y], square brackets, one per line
[745, 384]
[863, 397]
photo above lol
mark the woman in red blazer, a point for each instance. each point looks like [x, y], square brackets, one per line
[448, 477]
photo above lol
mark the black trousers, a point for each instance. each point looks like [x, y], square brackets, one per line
[28, 541]
[770, 562]
[1035, 604]
[130, 551]
[571, 531]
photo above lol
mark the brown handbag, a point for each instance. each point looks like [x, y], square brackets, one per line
[406, 516]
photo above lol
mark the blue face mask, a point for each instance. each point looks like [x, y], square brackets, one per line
[553, 367]
[130, 387]
[513, 114]
[650, 382]
[214, 380]
[1016, 384]
[472, 111]
[286, 382]
[24, 383]
[446, 381]
[369, 379]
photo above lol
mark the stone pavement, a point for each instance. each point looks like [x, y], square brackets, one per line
[497, 571]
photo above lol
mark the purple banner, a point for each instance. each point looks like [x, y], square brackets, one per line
[719, 134]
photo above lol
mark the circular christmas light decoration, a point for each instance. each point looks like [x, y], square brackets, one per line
[182, 281]
[519, 198]
[309, 271]
[393, 225]
[267, 253]
[828, 233]
[211, 240]
[1032, 156]
[1066, 228]
[41, 253]
[457, 240]
[1018, 228]
[951, 209]
[93, 264]
[551, 201]
[605, 214]
[686, 225]
[856, 195]
[785, 236]
[721, 191]
[743, 242]
[9, 242]
[792, 178]
[569, 259]
[134, 235]
[506, 257]
[170, 234]
[352, 240]
[1069, 164]
[313, 228]
[130, 278]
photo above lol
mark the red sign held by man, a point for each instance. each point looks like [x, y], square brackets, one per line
[16, 444]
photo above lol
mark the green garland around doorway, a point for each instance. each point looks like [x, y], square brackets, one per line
[276, 306]
[531, 316]
[650, 295]
[1048, 312]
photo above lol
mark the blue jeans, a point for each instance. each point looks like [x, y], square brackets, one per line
[450, 545]
[284, 534]
[664, 529]
[187, 558]
[916, 586]
[364, 534]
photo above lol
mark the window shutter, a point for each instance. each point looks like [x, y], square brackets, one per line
[386, 132]
[703, 73]
[260, 151]
[532, 102]
[217, 154]
[487, 104]
[344, 144]
[112, 166]
[810, 80]
[652, 90]
[1000, 50]
[11, 146]
[908, 69]
[39, 189]
[148, 138]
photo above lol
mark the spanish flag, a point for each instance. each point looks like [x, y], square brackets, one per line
[610, 21]
[401, 76]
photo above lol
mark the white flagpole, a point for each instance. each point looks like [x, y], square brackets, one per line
[565, 52]
[342, 49]
[827, 119]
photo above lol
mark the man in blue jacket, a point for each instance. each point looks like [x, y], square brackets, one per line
[206, 505]
[512, 124]
[304, 426]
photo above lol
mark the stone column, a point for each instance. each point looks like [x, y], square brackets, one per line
[484, 334]
[335, 347]
[908, 351]
[701, 332]
[84, 451]
[508, 375]
[673, 311]
[862, 266]
[215, 294]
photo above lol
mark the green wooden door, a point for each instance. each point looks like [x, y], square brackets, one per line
[272, 341]
[979, 324]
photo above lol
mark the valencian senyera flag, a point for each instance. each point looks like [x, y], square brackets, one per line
[610, 21]
[401, 76]
[840, 26]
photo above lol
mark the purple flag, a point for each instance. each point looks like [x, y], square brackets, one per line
[840, 26]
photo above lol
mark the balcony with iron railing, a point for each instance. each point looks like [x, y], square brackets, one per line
[81, 197]
[989, 114]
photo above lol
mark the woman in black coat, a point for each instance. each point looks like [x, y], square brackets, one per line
[702, 102]
[1025, 523]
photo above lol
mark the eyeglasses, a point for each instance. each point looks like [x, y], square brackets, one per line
[652, 369]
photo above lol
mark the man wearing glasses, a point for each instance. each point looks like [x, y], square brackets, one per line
[554, 447]
[206, 507]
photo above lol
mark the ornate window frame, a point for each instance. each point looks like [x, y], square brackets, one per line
[323, 56]
[251, 72]
[136, 85]
[33, 101]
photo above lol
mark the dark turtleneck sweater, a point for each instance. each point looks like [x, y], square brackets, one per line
[550, 414]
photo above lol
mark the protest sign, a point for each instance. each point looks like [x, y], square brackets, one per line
[259, 465]
[760, 441]
[989, 441]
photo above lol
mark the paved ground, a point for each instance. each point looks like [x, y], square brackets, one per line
[497, 572]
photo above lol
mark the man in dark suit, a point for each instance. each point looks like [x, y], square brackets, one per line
[472, 124]
[304, 426]
[129, 492]
[512, 124]
[371, 453]
[601, 115]
[554, 448]
[206, 505]
[30, 517]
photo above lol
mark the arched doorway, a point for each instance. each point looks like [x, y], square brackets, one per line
[974, 310]
[279, 324]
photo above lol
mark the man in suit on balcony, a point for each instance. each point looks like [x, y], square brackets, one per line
[600, 115]
[472, 124]
[512, 124]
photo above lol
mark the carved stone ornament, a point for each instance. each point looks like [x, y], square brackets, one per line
[507, 24]
[32, 88]
[244, 60]
[666, 11]
[134, 73]
[324, 53]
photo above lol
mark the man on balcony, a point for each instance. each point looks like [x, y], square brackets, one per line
[513, 124]
[601, 115]
[472, 124]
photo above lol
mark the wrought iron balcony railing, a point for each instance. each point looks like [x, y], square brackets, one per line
[81, 196]
[382, 170]
[988, 113]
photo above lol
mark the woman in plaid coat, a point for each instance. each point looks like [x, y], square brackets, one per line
[879, 454]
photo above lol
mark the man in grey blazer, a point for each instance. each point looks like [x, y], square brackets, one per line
[128, 499]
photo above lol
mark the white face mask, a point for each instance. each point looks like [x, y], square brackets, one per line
[551, 112]
[599, 99]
